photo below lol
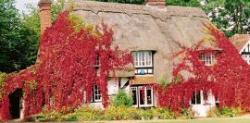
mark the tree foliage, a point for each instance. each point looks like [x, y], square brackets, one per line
[16, 43]
[19, 35]
[232, 16]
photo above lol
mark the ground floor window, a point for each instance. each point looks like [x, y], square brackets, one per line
[142, 96]
[196, 97]
[96, 94]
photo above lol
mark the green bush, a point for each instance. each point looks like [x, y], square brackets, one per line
[51, 116]
[122, 99]
[230, 112]
[162, 113]
[81, 114]
[2, 78]
[225, 112]
[122, 113]
[147, 114]
[87, 114]
[187, 113]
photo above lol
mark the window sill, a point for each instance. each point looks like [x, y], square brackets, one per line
[96, 102]
[144, 75]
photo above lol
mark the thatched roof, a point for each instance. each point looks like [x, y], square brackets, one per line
[239, 40]
[143, 27]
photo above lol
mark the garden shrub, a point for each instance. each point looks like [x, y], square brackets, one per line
[187, 113]
[123, 99]
[2, 78]
[225, 112]
[230, 112]
[162, 113]
[50, 116]
[122, 113]
[147, 114]
[87, 114]
[214, 112]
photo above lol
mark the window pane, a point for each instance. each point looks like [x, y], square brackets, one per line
[208, 58]
[193, 98]
[143, 59]
[142, 96]
[134, 96]
[150, 59]
[198, 97]
[97, 93]
[149, 96]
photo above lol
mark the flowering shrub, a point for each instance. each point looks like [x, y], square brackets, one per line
[65, 71]
[228, 79]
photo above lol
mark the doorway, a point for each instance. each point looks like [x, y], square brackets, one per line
[15, 106]
[202, 102]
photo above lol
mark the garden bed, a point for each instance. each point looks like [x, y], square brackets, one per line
[122, 113]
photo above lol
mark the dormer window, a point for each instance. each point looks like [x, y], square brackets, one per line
[143, 62]
[208, 58]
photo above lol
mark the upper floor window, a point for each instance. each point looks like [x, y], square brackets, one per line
[208, 58]
[97, 61]
[246, 57]
[143, 62]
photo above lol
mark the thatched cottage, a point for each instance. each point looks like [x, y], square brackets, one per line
[152, 33]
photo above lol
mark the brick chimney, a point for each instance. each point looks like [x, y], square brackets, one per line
[45, 15]
[160, 3]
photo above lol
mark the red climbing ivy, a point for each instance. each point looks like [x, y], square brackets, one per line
[66, 69]
[228, 78]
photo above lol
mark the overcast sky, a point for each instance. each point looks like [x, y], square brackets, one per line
[21, 4]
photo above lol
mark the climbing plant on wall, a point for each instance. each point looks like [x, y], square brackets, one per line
[228, 79]
[65, 72]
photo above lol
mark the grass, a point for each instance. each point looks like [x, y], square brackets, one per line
[203, 120]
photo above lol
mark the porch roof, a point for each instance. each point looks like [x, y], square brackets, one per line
[141, 80]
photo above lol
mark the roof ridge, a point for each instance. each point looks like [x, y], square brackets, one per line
[162, 13]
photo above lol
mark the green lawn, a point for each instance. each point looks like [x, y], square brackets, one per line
[205, 120]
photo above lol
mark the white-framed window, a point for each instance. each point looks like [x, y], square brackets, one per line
[97, 94]
[143, 62]
[196, 97]
[143, 59]
[134, 95]
[142, 96]
[208, 58]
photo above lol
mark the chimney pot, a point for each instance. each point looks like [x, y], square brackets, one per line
[41, 2]
[155, 2]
